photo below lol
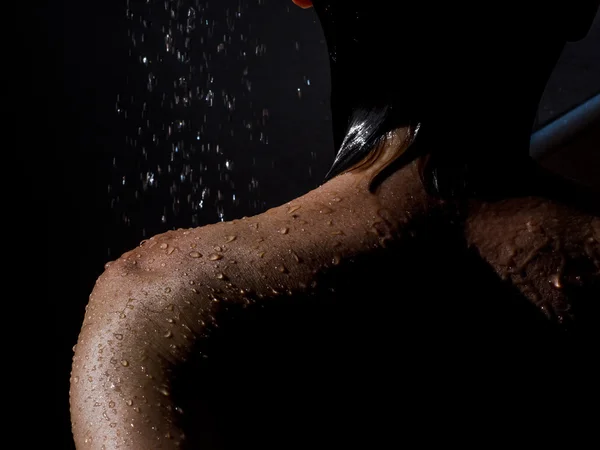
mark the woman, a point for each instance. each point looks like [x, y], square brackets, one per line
[417, 278]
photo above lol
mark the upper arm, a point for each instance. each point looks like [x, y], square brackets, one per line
[142, 322]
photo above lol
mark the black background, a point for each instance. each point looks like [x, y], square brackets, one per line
[78, 63]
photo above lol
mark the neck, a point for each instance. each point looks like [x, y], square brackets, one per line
[399, 189]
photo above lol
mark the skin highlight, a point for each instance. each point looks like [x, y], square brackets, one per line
[153, 315]
[151, 307]
[158, 305]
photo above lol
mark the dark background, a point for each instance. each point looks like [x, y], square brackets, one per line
[81, 62]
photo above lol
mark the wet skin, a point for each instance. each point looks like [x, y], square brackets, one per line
[202, 337]
[304, 325]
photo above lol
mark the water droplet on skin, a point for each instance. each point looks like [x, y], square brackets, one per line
[111, 404]
[230, 239]
[74, 348]
[293, 209]
[129, 402]
[336, 199]
[296, 257]
[164, 391]
[90, 379]
[170, 320]
[195, 254]
[282, 269]
[167, 290]
[284, 230]
[336, 260]
[113, 424]
[254, 225]
[170, 250]
[378, 228]
[118, 336]
[76, 380]
[215, 257]
[163, 246]
[168, 334]
[531, 226]
[261, 254]
[325, 210]
[556, 281]
[221, 276]
[218, 249]
[125, 363]
[170, 307]
[337, 233]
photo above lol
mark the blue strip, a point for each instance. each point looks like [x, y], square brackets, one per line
[561, 130]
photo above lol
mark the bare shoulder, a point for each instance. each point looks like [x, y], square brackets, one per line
[549, 250]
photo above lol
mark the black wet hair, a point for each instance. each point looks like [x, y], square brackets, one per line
[455, 71]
